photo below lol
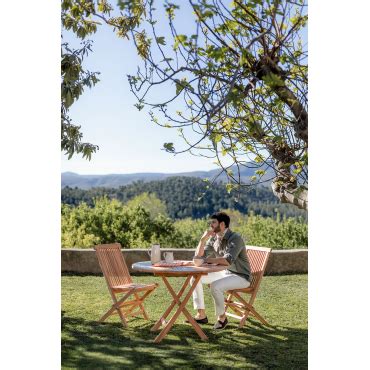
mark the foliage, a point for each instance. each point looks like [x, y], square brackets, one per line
[287, 233]
[82, 18]
[150, 202]
[238, 79]
[111, 221]
[87, 344]
[191, 197]
[189, 232]
[74, 80]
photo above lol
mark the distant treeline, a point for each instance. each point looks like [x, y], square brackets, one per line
[189, 197]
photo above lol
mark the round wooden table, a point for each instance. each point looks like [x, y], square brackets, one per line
[177, 271]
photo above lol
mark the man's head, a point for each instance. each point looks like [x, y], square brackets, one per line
[219, 222]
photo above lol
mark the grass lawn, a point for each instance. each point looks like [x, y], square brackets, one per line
[282, 300]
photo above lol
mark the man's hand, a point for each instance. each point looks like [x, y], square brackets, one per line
[207, 234]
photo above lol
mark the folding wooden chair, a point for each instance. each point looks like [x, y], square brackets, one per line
[258, 258]
[119, 281]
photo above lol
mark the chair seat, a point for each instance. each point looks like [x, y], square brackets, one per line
[136, 287]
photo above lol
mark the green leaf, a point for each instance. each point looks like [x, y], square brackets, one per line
[258, 159]
[182, 84]
[169, 147]
[217, 138]
[179, 39]
[161, 40]
[229, 187]
[139, 106]
[273, 80]
[179, 87]
[68, 99]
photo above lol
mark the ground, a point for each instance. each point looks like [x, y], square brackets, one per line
[282, 300]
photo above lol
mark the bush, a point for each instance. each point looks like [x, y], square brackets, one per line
[133, 226]
[288, 233]
[110, 221]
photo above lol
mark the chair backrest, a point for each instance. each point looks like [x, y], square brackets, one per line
[113, 265]
[257, 257]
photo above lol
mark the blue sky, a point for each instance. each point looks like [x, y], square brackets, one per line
[128, 141]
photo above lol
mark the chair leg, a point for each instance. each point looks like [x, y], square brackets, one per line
[137, 304]
[142, 309]
[141, 300]
[244, 319]
[228, 299]
[116, 306]
[258, 316]
[249, 309]
[228, 305]
[107, 314]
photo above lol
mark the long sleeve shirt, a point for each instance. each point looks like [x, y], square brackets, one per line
[232, 248]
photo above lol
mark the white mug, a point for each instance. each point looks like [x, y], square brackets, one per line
[168, 256]
[198, 261]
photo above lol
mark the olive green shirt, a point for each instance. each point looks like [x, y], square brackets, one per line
[232, 248]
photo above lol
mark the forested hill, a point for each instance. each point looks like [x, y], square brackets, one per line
[189, 197]
[72, 179]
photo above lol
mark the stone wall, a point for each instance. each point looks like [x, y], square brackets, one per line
[85, 261]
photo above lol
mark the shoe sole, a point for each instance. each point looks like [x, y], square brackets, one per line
[199, 323]
[222, 328]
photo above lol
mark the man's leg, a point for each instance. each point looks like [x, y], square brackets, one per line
[198, 295]
[218, 288]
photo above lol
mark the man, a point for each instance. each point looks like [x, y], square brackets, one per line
[222, 246]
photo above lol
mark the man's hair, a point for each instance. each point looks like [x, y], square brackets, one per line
[221, 217]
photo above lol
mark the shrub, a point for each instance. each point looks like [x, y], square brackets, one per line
[134, 227]
[110, 221]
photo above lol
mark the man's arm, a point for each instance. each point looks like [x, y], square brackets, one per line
[233, 249]
[202, 243]
[218, 261]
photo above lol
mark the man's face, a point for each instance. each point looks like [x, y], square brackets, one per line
[215, 226]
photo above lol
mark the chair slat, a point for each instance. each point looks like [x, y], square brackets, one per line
[113, 264]
[257, 260]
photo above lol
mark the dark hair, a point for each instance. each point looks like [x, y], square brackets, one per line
[221, 217]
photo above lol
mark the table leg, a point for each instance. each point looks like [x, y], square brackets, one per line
[185, 311]
[162, 319]
[181, 308]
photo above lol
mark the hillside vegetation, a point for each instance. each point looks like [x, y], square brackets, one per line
[189, 197]
[134, 226]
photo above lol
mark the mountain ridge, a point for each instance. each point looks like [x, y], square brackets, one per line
[73, 179]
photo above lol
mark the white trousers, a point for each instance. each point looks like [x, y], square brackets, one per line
[220, 281]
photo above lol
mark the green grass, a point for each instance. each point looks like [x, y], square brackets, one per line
[282, 300]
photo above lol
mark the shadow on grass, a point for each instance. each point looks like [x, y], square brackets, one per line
[95, 345]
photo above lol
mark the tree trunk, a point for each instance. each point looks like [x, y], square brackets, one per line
[286, 189]
[297, 196]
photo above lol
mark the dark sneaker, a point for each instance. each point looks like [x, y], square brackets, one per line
[220, 325]
[199, 321]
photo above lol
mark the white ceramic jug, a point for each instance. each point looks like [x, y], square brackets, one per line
[155, 253]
